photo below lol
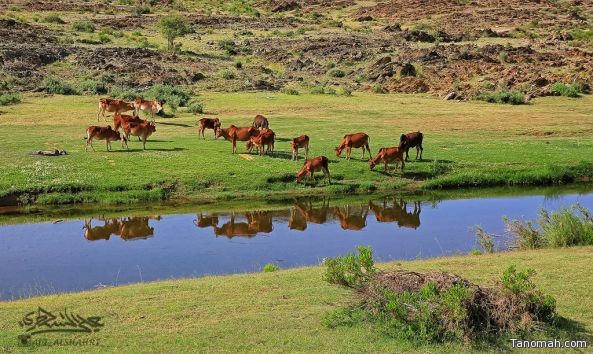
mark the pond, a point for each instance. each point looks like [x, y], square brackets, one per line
[88, 253]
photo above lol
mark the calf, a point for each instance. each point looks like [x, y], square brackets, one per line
[102, 133]
[263, 142]
[300, 142]
[317, 164]
[260, 122]
[152, 107]
[208, 123]
[112, 105]
[358, 140]
[410, 140]
[387, 155]
[234, 134]
[143, 130]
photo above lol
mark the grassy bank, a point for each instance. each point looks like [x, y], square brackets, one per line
[466, 145]
[282, 311]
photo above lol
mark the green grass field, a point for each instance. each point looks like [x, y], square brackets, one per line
[282, 311]
[466, 144]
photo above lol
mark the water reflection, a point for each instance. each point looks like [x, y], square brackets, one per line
[398, 212]
[128, 228]
[248, 224]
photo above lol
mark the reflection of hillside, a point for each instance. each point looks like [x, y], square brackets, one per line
[129, 228]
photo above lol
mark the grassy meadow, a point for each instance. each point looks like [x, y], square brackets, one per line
[283, 311]
[466, 144]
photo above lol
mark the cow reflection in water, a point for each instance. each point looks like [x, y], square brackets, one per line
[397, 213]
[352, 218]
[129, 228]
[255, 222]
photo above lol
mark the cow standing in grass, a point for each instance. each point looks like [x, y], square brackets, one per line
[357, 140]
[260, 122]
[102, 133]
[208, 123]
[113, 105]
[151, 107]
[297, 143]
[234, 134]
[410, 140]
[142, 130]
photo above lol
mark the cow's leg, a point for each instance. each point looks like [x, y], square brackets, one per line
[407, 157]
[386, 167]
[144, 141]
[402, 161]
[295, 153]
[326, 173]
[369, 150]
[348, 152]
[421, 150]
[89, 142]
[306, 152]
[107, 143]
[234, 145]
[99, 112]
[362, 153]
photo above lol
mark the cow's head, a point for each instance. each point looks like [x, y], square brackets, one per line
[339, 150]
[403, 140]
[158, 106]
[217, 132]
[372, 164]
[300, 175]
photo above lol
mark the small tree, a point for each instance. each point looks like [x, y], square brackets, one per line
[172, 27]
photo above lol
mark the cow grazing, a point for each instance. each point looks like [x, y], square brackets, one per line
[297, 143]
[113, 105]
[260, 122]
[314, 215]
[102, 133]
[263, 142]
[208, 123]
[410, 140]
[151, 107]
[357, 140]
[387, 155]
[234, 134]
[142, 130]
[320, 163]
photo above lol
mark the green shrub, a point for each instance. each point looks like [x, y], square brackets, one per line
[9, 98]
[351, 270]
[95, 87]
[238, 64]
[174, 96]
[83, 26]
[196, 107]
[566, 227]
[345, 91]
[104, 38]
[125, 94]
[228, 45]
[227, 74]
[336, 73]
[55, 86]
[502, 95]
[270, 267]
[53, 18]
[379, 89]
[142, 10]
[567, 90]
[290, 91]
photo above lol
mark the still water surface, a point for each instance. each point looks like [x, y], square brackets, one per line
[82, 254]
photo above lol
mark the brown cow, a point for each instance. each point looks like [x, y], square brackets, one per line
[102, 133]
[110, 227]
[410, 140]
[300, 142]
[260, 122]
[357, 140]
[320, 163]
[260, 221]
[113, 105]
[120, 119]
[352, 221]
[398, 213]
[297, 220]
[152, 107]
[143, 130]
[234, 134]
[387, 155]
[208, 123]
[263, 142]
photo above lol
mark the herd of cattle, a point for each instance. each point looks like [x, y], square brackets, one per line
[251, 223]
[258, 136]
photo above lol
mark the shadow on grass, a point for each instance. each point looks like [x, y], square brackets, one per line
[175, 124]
[430, 160]
[149, 149]
[283, 139]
